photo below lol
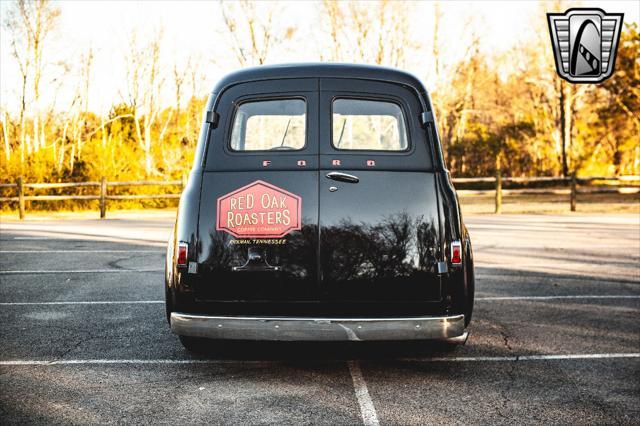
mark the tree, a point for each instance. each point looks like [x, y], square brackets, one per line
[30, 24]
[252, 30]
[618, 108]
[144, 81]
[553, 101]
[370, 32]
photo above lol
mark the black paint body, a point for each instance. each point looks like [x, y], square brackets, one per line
[366, 249]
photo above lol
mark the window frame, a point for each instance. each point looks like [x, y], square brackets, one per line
[242, 101]
[374, 99]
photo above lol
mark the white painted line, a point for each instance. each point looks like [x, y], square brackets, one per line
[355, 373]
[577, 356]
[117, 361]
[577, 296]
[78, 251]
[32, 238]
[80, 271]
[367, 410]
[559, 264]
[96, 239]
[100, 302]
[526, 357]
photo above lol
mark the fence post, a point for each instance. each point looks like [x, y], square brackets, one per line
[103, 197]
[498, 192]
[573, 192]
[20, 198]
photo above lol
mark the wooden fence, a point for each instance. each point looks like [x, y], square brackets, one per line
[102, 196]
[571, 186]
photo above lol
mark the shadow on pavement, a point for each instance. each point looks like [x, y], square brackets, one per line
[318, 351]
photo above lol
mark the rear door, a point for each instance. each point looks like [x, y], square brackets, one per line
[258, 223]
[378, 207]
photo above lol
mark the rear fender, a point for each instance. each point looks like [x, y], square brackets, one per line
[186, 224]
[460, 284]
[470, 282]
[185, 230]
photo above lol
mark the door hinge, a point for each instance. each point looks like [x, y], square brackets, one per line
[426, 118]
[212, 118]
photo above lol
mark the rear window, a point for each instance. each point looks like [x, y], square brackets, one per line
[360, 124]
[269, 125]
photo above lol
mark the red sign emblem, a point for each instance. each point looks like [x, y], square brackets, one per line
[259, 210]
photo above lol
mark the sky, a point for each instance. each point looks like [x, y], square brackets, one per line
[194, 29]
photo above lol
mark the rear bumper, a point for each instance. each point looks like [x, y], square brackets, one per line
[317, 329]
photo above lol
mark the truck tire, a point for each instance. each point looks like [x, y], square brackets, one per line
[193, 344]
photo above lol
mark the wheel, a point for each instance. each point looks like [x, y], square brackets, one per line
[193, 344]
[444, 346]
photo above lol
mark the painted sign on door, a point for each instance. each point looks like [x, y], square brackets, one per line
[259, 210]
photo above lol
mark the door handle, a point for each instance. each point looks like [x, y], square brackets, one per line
[343, 177]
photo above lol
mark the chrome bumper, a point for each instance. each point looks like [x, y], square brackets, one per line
[317, 329]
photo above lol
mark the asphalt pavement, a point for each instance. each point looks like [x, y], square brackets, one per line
[555, 337]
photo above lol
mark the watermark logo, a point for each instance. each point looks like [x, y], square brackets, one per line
[585, 42]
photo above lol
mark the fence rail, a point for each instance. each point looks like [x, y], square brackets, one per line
[102, 196]
[571, 186]
[618, 184]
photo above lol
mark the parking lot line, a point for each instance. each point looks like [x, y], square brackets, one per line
[78, 271]
[578, 296]
[559, 264]
[482, 299]
[367, 410]
[78, 251]
[97, 302]
[32, 238]
[541, 357]
[126, 361]
[361, 384]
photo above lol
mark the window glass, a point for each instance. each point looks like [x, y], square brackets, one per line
[371, 125]
[269, 125]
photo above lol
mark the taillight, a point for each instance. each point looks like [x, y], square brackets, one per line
[183, 248]
[456, 253]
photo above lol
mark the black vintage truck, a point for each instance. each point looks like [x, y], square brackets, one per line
[319, 208]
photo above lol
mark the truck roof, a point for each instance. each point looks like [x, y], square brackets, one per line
[319, 70]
